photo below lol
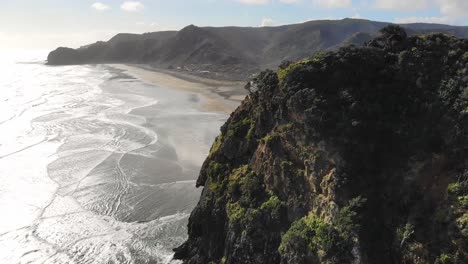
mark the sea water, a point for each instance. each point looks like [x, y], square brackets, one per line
[96, 166]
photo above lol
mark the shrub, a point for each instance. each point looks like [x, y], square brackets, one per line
[273, 206]
[312, 240]
[235, 212]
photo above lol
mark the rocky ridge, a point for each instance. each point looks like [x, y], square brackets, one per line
[358, 155]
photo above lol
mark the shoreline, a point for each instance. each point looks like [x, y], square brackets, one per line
[121, 160]
[218, 96]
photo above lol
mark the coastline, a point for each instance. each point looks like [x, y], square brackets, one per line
[124, 148]
[218, 96]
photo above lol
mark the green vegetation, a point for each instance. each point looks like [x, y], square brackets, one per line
[214, 186]
[392, 130]
[217, 145]
[318, 57]
[238, 173]
[248, 201]
[323, 242]
[273, 206]
[283, 72]
[235, 212]
[214, 169]
[269, 137]
[458, 188]
[280, 131]
[251, 131]
[405, 233]
[347, 220]
[235, 129]
[244, 215]
[311, 229]
[463, 200]
[456, 216]
[246, 121]
[234, 179]
[465, 56]
[444, 259]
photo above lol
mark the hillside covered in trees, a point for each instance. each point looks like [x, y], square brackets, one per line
[357, 155]
[234, 52]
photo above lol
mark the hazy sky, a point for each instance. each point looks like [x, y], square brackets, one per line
[50, 23]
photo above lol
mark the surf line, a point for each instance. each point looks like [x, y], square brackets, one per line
[9, 119]
[23, 149]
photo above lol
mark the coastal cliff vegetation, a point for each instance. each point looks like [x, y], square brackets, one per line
[357, 155]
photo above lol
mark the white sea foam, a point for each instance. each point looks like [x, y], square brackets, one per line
[67, 192]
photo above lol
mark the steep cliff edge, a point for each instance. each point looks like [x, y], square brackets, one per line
[352, 156]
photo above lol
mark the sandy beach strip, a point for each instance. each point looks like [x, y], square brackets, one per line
[218, 96]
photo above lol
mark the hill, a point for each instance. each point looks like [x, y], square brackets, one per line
[358, 155]
[233, 52]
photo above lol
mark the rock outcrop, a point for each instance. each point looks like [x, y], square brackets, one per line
[64, 56]
[353, 156]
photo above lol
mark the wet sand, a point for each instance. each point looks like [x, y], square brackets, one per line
[122, 148]
[186, 117]
[218, 96]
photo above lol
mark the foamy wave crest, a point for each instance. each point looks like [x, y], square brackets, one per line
[73, 217]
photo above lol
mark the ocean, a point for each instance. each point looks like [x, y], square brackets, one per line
[96, 166]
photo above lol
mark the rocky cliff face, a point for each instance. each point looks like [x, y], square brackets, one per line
[353, 156]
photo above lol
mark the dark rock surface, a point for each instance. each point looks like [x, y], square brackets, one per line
[352, 156]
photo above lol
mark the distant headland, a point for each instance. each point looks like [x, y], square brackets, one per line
[234, 53]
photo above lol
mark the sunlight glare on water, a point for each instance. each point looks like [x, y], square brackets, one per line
[83, 178]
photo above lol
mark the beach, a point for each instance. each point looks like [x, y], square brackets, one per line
[112, 154]
[222, 96]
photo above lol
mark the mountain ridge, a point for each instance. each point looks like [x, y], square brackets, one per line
[233, 52]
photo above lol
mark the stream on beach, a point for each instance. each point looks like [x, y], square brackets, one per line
[96, 166]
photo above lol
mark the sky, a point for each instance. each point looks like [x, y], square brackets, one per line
[47, 24]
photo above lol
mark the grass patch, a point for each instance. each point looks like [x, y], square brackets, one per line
[235, 212]
[216, 145]
[283, 72]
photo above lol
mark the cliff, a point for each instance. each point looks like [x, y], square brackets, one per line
[358, 155]
[233, 52]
